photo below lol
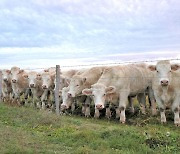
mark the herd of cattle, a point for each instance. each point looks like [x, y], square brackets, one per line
[105, 87]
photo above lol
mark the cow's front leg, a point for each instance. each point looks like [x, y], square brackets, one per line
[122, 104]
[175, 109]
[131, 106]
[142, 102]
[96, 114]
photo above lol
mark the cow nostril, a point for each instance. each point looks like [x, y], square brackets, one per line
[69, 95]
[44, 86]
[31, 85]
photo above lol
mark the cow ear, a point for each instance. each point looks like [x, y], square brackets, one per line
[8, 71]
[87, 92]
[21, 71]
[110, 90]
[152, 67]
[53, 76]
[175, 67]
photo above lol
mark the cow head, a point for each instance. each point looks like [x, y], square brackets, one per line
[67, 102]
[76, 85]
[6, 75]
[15, 73]
[99, 94]
[47, 80]
[163, 71]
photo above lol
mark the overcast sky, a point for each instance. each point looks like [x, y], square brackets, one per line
[43, 33]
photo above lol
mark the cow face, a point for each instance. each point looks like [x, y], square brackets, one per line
[15, 72]
[76, 86]
[33, 79]
[6, 75]
[163, 71]
[47, 80]
[99, 94]
[67, 102]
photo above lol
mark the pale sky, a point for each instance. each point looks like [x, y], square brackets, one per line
[43, 33]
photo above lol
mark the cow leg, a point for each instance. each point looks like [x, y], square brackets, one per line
[162, 108]
[73, 107]
[142, 102]
[108, 111]
[153, 101]
[83, 108]
[117, 113]
[87, 104]
[176, 108]
[131, 106]
[96, 114]
[43, 98]
[122, 104]
[87, 112]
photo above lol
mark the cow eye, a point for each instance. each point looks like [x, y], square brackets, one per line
[157, 71]
[77, 85]
[104, 95]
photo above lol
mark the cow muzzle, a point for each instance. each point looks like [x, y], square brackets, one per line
[44, 86]
[69, 95]
[164, 82]
[32, 86]
[99, 107]
[14, 80]
[63, 107]
[5, 79]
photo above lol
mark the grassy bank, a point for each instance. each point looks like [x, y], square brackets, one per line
[25, 130]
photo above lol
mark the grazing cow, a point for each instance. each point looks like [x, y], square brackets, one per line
[166, 86]
[123, 81]
[19, 84]
[6, 85]
[85, 80]
[48, 77]
[35, 84]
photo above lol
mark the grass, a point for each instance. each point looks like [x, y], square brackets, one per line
[25, 130]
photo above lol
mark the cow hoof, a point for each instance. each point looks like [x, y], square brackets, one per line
[163, 122]
[123, 122]
[87, 116]
[177, 124]
[108, 117]
[96, 116]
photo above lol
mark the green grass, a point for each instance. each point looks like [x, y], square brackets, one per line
[25, 130]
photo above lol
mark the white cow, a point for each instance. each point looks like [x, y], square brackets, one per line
[166, 86]
[123, 81]
[6, 84]
[35, 84]
[48, 77]
[84, 80]
[19, 84]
